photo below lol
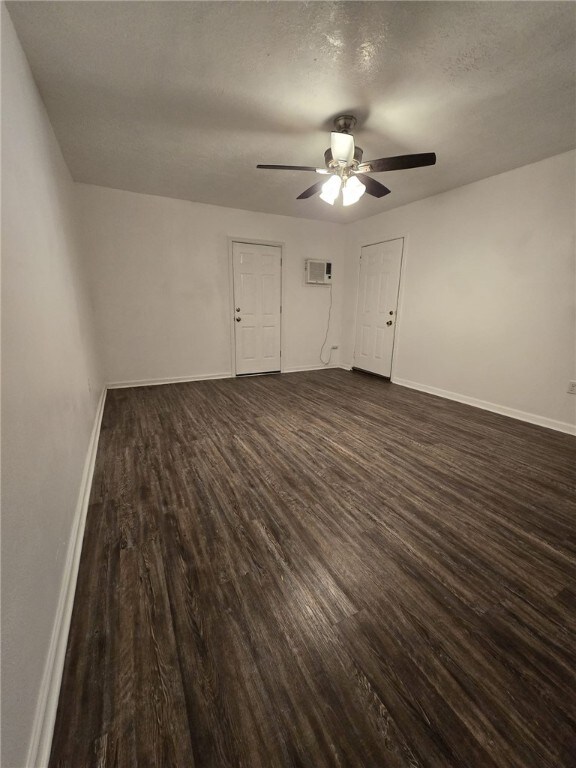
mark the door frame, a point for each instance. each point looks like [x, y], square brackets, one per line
[396, 342]
[252, 241]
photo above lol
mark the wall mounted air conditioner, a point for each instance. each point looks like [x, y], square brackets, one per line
[318, 272]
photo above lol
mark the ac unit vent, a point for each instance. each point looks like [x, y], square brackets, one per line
[318, 272]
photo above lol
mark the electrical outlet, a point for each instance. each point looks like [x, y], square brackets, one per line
[335, 346]
[572, 388]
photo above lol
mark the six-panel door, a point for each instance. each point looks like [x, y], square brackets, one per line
[377, 306]
[257, 301]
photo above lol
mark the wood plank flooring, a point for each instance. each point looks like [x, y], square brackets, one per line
[322, 570]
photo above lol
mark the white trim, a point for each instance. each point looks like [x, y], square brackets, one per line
[210, 376]
[513, 413]
[45, 715]
[400, 304]
[355, 326]
[255, 241]
[169, 380]
[231, 305]
[298, 368]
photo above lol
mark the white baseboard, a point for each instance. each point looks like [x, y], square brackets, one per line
[209, 376]
[45, 716]
[531, 418]
[298, 368]
[171, 380]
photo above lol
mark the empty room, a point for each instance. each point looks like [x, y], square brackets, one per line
[288, 384]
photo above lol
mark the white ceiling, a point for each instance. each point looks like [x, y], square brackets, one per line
[183, 99]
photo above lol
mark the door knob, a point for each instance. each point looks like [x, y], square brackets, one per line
[389, 322]
[238, 319]
[237, 309]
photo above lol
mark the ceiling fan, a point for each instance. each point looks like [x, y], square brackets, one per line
[348, 174]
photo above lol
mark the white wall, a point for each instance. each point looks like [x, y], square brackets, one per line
[160, 274]
[49, 389]
[488, 299]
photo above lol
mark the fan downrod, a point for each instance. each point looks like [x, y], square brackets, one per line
[344, 123]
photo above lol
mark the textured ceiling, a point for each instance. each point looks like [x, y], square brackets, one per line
[183, 99]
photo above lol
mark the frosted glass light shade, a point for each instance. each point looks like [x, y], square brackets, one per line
[342, 146]
[331, 189]
[352, 191]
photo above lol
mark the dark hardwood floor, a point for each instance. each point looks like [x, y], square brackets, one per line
[322, 569]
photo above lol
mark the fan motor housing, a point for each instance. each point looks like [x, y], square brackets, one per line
[344, 123]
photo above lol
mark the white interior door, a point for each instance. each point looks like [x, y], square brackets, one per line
[377, 306]
[257, 302]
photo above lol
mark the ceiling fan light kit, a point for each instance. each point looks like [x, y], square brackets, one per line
[352, 191]
[348, 174]
[331, 189]
[342, 146]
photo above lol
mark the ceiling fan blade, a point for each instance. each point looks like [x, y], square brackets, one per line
[311, 190]
[398, 163]
[290, 168]
[342, 146]
[373, 187]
